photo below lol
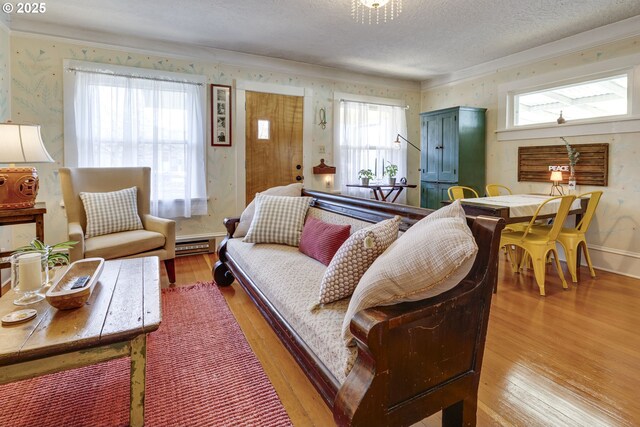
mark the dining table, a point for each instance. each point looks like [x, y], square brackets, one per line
[514, 208]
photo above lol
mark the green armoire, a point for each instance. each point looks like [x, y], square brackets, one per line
[452, 152]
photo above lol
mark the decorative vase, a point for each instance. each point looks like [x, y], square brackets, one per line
[572, 180]
[364, 181]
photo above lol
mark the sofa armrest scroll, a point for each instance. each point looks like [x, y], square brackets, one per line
[75, 232]
[230, 224]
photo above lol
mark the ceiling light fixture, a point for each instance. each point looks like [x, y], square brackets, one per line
[370, 11]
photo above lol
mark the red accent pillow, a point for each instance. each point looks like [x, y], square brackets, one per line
[321, 240]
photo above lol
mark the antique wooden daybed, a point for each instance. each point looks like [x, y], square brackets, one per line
[413, 359]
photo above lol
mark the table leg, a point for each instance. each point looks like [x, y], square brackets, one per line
[397, 194]
[40, 227]
[138, 378]
[375, 192]
[579, 252]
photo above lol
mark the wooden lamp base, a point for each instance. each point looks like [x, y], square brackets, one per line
[18, 188]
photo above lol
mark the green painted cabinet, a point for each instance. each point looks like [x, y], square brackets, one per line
[452, 152]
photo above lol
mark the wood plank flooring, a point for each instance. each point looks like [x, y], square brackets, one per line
[571, 358]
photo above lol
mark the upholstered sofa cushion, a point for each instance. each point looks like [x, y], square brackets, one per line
[321, 240]
[111, 212]
[431, 257]
[278, 219]
[354, 258]
[126, 243]
[291, 190]
[290, 280]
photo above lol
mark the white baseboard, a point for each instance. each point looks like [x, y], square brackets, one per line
[616, 261]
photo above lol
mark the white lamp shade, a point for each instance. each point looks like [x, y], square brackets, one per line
[556, 176]
[22, 144]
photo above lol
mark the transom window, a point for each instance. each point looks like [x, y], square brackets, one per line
[601, 97]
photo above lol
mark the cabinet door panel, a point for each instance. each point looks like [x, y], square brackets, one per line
[432, 130]
[432, 193]
[449, 149]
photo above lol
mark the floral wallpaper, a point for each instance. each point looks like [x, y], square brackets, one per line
[5, 108]
[616, 226]
[37, 96]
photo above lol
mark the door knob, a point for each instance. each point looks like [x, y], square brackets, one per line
[298, 178]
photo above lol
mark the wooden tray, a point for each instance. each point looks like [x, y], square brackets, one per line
[62, 297]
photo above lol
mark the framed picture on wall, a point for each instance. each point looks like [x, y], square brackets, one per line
[221, 116]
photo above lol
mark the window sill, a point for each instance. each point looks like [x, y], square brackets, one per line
[625, 125]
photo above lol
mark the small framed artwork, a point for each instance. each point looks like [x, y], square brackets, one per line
[220, 116]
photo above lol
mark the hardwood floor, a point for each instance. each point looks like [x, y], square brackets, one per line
[571, 358]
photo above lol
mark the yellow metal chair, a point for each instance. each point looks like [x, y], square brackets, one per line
[572, 239]
[457, 192]
[494, 190]
[539, 245]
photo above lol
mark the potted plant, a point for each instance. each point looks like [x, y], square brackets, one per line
[391, 171]
[574, 156]
[365, 175]
[57, 256]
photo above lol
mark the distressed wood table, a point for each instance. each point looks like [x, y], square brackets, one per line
[379, 190]
[123, 308]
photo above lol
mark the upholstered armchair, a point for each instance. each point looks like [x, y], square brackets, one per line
[156, 238]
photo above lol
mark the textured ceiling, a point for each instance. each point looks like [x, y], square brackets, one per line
[430, 37]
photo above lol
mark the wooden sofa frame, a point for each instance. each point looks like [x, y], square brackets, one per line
[414, 359]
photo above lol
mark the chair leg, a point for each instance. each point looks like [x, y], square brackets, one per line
[572, 256]
[170, 265]
[512, 258]
[588, 258]
[539, 271]
[559, 268]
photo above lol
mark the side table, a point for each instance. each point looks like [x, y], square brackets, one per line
[23, 216]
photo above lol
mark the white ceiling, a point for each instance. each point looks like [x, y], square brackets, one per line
[430, 38]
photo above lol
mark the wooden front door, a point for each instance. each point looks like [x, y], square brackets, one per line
[274, 141]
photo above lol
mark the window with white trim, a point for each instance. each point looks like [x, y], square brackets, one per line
[583, 100]
[122, 116]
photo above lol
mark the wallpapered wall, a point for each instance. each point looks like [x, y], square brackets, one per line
[5, 104]
[37, 96]
[616, 226]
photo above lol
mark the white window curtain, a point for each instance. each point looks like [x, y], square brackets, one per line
[128, 120]
[367, 132]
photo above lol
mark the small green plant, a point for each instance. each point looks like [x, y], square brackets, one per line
[574, 155]
[57, 254]
[365, 173]
[391, 170]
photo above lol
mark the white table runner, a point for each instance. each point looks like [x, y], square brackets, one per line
[522, 205]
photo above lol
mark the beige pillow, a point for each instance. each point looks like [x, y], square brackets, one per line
[291, 190]
[354, 257]
[278, 219]
[431, 257]
[111, 212]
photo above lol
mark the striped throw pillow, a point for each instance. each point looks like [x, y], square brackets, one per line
[278, 219]
[111, 212]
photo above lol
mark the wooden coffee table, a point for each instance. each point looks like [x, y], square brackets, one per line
[124, 307]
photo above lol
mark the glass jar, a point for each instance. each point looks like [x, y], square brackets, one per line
[29, 273]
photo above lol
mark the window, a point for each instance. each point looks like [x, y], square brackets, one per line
[367, 132]
[585, 100]
[263, 129]
[120, 117]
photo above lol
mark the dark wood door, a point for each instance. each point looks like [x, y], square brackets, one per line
[274, 141]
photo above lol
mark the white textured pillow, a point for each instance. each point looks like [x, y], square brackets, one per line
[291, 190]
[278, 219]
[354, 257]
[431, 257]
[111, 212]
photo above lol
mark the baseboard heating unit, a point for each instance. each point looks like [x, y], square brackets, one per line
[203, 244]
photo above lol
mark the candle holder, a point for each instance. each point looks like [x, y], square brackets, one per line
[29, 273]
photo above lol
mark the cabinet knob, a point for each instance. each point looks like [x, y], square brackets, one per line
[298, 178]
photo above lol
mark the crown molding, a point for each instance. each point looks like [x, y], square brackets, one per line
[4, 23]
[206, 54]
[626, 28]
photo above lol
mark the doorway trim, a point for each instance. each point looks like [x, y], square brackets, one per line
[240, 130]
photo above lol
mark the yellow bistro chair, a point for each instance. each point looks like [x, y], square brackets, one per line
[539, 245]
[494, 190]
[572, 238]
[457, 192]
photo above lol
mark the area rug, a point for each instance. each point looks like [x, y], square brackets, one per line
[200, 372]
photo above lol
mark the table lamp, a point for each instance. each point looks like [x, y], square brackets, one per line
[556, 177]
[21, 143]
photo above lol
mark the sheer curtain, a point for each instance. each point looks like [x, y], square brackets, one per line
[133, 121]
[367, 132]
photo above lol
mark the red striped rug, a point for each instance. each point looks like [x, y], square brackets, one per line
[200, 372]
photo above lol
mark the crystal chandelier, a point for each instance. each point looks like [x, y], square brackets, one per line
[372, 11]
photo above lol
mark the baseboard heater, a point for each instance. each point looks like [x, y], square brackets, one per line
[189, 245]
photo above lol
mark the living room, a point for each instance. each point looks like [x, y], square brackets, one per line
[36, 54]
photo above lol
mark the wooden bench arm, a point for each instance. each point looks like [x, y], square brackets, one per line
[230, 224]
